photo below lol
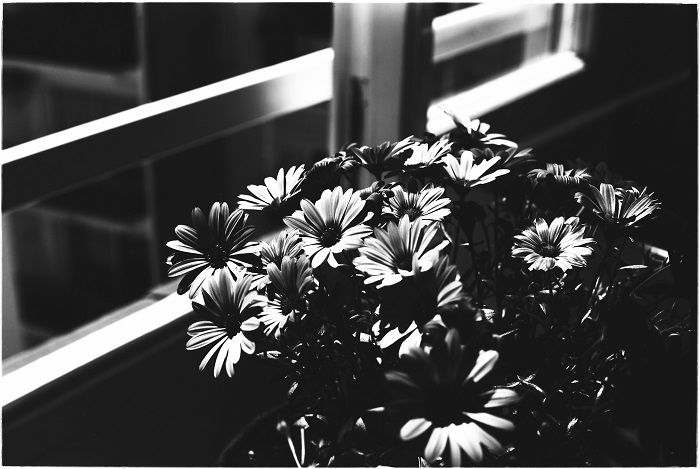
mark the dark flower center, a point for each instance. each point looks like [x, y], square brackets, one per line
[445, 406]
[217, 256]
[405, 262]
[412, 212]
[233, 325]
[330, 236]
[549, 250]
[289, 304]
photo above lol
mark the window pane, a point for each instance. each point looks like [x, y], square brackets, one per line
[481, 42]
[440, 9]
[75, 257]
[68, 63]
[475, 67]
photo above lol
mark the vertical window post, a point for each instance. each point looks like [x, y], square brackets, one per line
[381, 72]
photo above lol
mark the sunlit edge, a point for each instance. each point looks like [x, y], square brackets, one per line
[320, 58]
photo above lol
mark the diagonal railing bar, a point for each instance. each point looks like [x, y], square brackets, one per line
[62, 160]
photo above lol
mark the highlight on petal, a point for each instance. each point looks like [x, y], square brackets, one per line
[491, 420]
[484, 364]
[436, 443]
[414, 428]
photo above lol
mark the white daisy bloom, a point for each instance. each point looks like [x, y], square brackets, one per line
[274, 191]
[232, 305]
[448, 405]
[330, 226]
[464, 172]
[426, 205]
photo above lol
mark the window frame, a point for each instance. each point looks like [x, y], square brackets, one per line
[222, 108]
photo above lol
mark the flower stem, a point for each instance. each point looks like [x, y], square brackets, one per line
[458, 228]
[496, 254]
[294, 452]
[477, 274]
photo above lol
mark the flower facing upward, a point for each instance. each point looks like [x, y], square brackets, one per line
[274, 192]
[472, 133]
[399, 251]
[556, 172]
[330, 226]
[287, 243]
[467, 174]
[387, 156]
[621, 207]
[217, 243]
[561, 244]
[232, 306]
[448, 404]
[426, 205]
[291, 283]
[425, 155]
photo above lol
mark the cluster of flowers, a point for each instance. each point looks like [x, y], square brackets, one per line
[418, 319]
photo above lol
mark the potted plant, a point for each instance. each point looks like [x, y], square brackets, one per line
[470, 306]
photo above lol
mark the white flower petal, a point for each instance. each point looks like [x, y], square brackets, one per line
[414, 428]
[484, 364]
[436, 444]
[491, 420]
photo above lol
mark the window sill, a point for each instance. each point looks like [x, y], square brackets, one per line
[28, 371]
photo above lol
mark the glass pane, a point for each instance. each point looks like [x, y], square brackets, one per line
[441, 8]
[75, 257]
[477, 66]
[521, 42]
[68, 63]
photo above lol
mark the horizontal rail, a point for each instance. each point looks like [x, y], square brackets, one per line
[91, 346]
[35, 368]
[53, 163]
[478, 26]
[498, 92]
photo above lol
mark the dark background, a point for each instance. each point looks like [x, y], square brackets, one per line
[635, 106]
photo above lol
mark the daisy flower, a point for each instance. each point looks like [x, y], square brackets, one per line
[426, 205]
[324, 174]
[399, 251]
[513, 156]
[387, 156]
[346, 157]
[274, 192]
[425, 155]
[291, 283]
[432, 292]
[473, 133]
[210, 245]
[556, 172]
[561, 244]
[466, 174]
[287, 243]
[233, 306]
[330, 226]
[449, 405]
[443, 286]
[622, 207]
